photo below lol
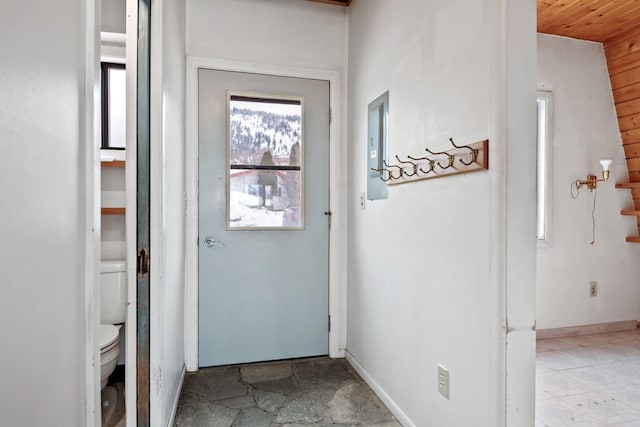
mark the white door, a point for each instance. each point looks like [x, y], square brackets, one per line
[263, 217]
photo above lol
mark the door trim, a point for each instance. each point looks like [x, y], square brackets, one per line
[89, 119]
[131, 55]
[337, 197]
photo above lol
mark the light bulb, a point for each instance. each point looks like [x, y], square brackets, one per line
[605, 164]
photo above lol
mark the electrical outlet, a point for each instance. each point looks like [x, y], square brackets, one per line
[593, 288]
[443, 381]
[363, 198]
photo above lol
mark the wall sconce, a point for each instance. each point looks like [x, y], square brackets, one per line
[592, 181]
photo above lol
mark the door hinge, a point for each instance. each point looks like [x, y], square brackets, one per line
[328, 214]
[330, 116]
[142, 266]
[329, 323]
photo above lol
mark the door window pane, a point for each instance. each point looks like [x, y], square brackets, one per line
[265, 162]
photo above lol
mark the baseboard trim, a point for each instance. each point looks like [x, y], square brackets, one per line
[574, 331]
[172, 418]
[393, 407]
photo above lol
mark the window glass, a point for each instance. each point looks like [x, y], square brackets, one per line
[543, 165]
[265, 162]
[114, 91]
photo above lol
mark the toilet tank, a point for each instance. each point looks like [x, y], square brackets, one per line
[113, 291]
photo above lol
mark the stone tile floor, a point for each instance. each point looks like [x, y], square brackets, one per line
[308, 392]
[113, 405]
[590, 380]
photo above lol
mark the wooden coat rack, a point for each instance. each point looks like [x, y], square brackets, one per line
[459, 159]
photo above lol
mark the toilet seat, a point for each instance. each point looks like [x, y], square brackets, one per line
[109, 335]
[109, 351]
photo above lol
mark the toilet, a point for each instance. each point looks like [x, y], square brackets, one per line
[112, 315]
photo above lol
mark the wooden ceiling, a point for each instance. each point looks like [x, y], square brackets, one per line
[595, 20]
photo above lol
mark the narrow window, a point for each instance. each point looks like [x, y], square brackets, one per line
[114, 91]
[544, 165]
[266, 162]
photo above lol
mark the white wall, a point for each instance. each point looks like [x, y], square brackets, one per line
[427, 267]
[285, 32]
[585, 129]
[167, 206]
[114, 16]
[42, 192]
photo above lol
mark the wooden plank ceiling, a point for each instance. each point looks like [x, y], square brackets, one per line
[596, 20]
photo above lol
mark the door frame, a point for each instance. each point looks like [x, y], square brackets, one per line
[89, 121]
[337, 197]
[131, 182]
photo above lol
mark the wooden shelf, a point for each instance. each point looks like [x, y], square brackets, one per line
[113, 164]
[633, 239]
[112, 211]
[629, 185]
[630, 213]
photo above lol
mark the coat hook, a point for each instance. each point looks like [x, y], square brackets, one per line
[474, 153]
[415, 167]
[431, 163]
[431, 166]
[393, 166]
[450, 156]
[382, 171]
[417, 159]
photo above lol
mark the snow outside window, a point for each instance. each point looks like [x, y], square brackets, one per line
[265, 162]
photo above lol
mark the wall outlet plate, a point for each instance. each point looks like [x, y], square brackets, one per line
[443, 381]
[593, 288]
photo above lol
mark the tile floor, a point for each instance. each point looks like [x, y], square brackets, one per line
[113, 405]
[310, 392]
[590, 380]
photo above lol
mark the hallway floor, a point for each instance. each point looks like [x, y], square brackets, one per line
[309, 392]
[590, 380]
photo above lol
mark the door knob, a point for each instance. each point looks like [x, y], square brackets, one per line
[210, 241]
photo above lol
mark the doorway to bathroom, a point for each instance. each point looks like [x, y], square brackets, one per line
[263, 217]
